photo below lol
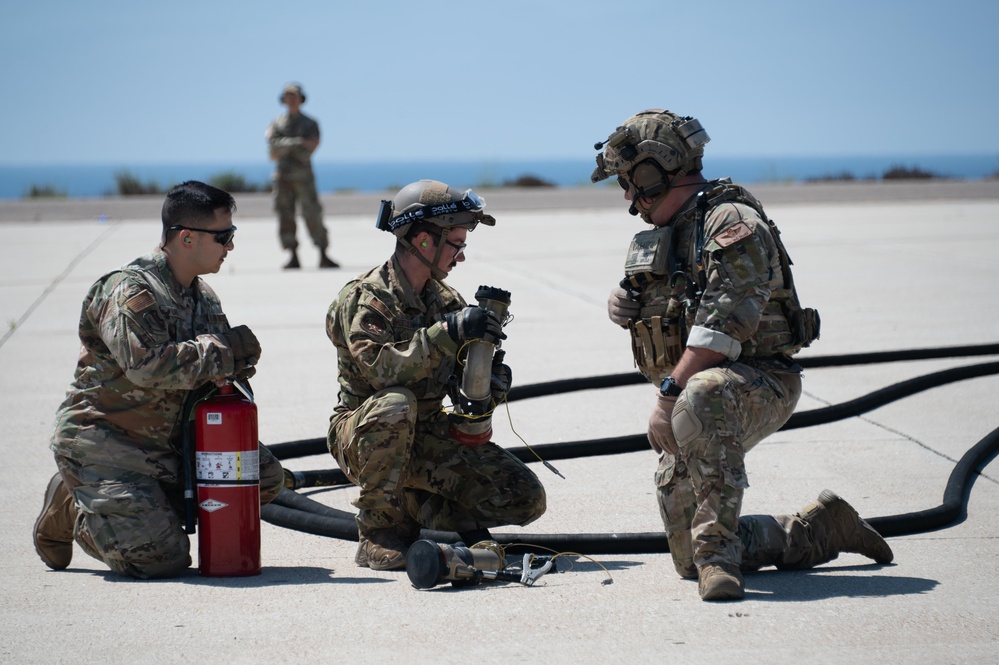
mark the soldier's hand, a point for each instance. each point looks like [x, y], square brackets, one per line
[661, 436]
[502, 378]
[245, 348]
[474, 323]
[621, 308]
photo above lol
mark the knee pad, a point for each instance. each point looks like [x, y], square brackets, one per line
[686, 425]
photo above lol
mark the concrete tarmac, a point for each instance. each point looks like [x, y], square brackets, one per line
[889, 268]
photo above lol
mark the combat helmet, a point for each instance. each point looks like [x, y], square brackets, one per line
[431, 202]
[649, 150]
[294, 88]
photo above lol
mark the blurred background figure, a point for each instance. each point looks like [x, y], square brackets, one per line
[292, 138]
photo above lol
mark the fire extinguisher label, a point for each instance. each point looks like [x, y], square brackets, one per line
[228, 467]
[211, 505]
[213, 418]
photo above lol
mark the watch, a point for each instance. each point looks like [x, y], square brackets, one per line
[670, 388]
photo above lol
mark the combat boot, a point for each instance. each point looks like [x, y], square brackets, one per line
[847, 531]
[381, 549]
[720, 581]
[293, 263]
[53, 534]
[327, 262]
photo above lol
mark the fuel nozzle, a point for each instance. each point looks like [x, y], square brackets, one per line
[471, 423]
[430, 564]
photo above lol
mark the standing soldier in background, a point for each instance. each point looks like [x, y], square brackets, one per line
[152, 332]
[292, 138]
[714, 319]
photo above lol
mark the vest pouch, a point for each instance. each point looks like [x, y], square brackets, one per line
[657, 344]
[804, 323]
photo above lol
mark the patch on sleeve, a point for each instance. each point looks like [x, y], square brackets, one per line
[140, 302]
[373, 323]
[733, 234]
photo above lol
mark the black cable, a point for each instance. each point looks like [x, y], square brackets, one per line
[294, 511]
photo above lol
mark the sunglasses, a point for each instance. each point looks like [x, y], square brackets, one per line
[223, 237]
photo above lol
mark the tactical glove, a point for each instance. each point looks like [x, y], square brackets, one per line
[474, 323]
[661, 436]
[245, 350]
[502, 378]
[621, 308]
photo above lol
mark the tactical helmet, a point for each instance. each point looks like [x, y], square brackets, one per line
[431, 202]
[435, 203]
[295, 88]
[650, 148]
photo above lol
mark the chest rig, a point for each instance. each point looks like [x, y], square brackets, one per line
[665, 273]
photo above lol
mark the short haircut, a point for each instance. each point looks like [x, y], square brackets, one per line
[194, 203]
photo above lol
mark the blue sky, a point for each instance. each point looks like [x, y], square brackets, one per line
[141, 82]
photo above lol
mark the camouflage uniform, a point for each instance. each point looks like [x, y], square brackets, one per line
[389, 434]
[146, 343]
[294, 180]
[726, 410]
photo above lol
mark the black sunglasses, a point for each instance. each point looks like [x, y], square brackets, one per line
[223, 237]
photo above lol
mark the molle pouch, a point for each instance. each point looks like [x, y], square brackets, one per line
[804, 322]
[649, 253]
[657, 344]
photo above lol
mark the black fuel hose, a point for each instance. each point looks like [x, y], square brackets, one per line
[301, 513]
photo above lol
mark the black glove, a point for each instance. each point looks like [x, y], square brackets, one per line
[474, 323]
[245, 350]
[502, 378]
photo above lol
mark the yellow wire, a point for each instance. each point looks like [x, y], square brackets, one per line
[533, 452]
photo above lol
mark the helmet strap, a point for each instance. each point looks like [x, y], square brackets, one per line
[656, 200]
[435, 272]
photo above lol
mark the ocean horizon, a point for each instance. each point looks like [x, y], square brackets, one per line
[96, 180]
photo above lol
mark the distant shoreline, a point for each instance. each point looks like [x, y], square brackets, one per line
[259, 205]
[377, 177]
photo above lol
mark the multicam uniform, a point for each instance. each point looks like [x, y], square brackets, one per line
[742, 307]
[294, 179]
[389, 434]
[146, 343]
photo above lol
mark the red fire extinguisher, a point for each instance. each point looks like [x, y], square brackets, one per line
[228, 475]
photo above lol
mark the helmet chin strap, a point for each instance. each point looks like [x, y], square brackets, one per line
[655, 201]
[647, 213]
[435, 272]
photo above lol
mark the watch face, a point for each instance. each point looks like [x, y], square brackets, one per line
[670, 388]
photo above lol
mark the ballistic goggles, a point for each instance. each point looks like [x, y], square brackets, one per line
[469, 202]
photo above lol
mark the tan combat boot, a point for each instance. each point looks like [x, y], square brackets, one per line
[720, 581]
[848, 531]
[381, 549]
[53, 534]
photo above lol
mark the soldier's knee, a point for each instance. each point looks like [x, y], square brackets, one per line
[167, 564]
[687, 424]
[141, 554]
[394, 405]
[703, 400]
[537, 502]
